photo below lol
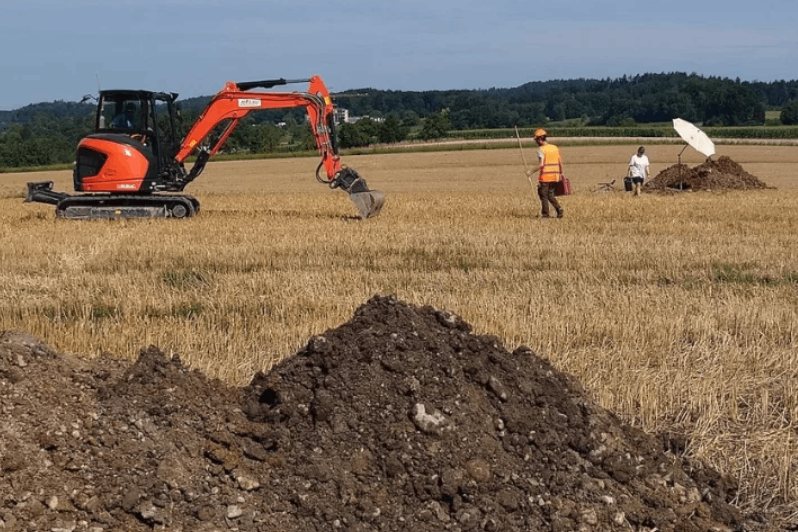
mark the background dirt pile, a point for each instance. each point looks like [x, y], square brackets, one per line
[400, 419]
[713, 174]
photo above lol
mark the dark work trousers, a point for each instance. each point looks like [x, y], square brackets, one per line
[546, 193]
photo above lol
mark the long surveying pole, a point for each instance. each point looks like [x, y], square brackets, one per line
[529, 173]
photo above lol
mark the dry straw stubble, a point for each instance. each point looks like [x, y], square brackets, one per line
[676, 312]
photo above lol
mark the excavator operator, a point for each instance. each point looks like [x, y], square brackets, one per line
[125, 120]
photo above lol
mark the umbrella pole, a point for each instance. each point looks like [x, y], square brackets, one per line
[681, 183]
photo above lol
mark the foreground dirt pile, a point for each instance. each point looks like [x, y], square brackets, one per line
[713, 174]
[400, 419]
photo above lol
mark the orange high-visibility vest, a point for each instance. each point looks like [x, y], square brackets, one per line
[552, 164]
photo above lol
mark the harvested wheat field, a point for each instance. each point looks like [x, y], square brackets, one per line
[454, 364]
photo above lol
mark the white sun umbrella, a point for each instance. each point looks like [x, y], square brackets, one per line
[693, 137]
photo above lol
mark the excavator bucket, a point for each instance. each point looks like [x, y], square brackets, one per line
[368, 202]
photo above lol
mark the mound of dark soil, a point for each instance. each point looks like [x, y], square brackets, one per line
[718, 174]
[400, 419]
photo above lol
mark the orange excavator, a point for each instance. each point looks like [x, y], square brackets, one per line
[133, 163]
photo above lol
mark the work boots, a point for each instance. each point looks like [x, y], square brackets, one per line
[546, 215]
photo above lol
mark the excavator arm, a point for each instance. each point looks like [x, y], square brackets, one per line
[236, 100]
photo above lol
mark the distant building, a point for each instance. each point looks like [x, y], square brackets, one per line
[376, 119]
[341, 115]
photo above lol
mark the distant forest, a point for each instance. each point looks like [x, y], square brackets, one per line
[46, 133]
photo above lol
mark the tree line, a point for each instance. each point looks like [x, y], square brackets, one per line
[641, 99]
[46, 133]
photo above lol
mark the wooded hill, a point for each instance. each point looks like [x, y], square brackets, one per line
[46, 133]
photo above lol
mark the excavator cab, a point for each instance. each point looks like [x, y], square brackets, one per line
[146, 117]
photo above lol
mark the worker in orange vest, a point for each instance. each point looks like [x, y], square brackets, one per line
[550, 173]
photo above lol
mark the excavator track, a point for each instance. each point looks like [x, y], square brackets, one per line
[94, 207]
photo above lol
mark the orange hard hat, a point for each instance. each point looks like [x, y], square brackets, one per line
[540, 133]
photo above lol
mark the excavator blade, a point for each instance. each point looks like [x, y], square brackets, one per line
[42, 192]
[369, 203]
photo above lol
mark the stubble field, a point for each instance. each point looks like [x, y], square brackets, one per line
[676, 312]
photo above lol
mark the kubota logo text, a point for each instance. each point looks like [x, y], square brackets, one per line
[243, 102]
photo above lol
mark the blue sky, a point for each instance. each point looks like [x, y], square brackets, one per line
[56, 50]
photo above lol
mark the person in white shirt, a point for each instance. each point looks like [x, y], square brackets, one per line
[638, 170]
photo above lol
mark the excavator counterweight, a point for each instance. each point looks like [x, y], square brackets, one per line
[133, 164]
